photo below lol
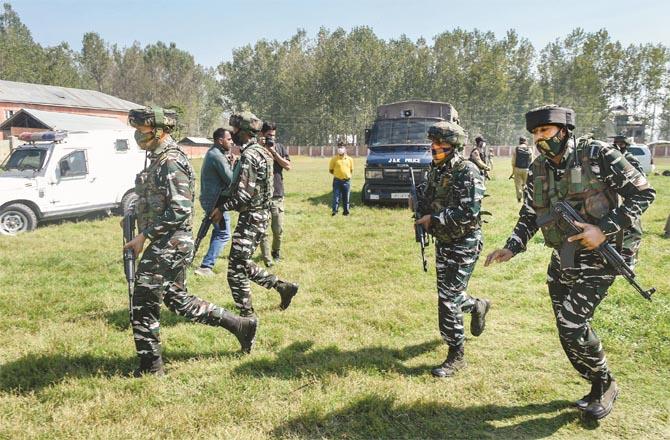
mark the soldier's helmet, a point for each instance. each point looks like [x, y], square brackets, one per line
[156, 117]
[246, 121]
[621, 138]
[550, 115]
[448, 132]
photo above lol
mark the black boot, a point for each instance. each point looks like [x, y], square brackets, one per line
[287, 291]
[452, 364]
[586, 400]
[605, 393]
[244, 329]
[478, 321]
[150, 365]
[275, 255]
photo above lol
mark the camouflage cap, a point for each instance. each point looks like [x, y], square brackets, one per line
[448, 132]
[550, 115]
[246, 121]
[157, 117]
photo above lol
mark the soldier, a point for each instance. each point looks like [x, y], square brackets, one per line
[450, 202]
[479, 156]
[522, 156]
[164, 212]
[282, 162]
[251, 195]
[622, 143]
[591, 176]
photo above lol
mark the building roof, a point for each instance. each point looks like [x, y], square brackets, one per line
[26, 93]
[60, 121]
[192, 140]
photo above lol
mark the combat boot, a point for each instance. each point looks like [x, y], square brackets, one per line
[586, 400]
[452, 364]
[244, 329]
[478, 321]
[152, 365]
[605, 393]
[287, 291]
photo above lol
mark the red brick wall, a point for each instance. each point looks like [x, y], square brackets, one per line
[4, 106]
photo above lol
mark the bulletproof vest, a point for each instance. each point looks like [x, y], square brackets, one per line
[153, 198]
[264, 180]
[440, 194]
[579, 186]
[523, 156]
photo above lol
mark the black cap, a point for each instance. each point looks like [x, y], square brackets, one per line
[522, 139]
[550, 114]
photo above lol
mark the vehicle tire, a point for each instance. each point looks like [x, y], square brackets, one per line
[17, 218]
[364, 199]
[127, 201]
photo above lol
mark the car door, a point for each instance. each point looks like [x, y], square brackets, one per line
[74, 188]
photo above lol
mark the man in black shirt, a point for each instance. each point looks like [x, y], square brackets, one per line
[282, 162]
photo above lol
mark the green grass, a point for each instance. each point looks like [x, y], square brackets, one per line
[350, 358]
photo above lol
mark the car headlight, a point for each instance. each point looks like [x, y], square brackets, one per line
[374, 174]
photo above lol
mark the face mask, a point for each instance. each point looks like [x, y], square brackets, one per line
[341, 151]
[145, 140]
[439, 153]
[551, 147]
[237, 138]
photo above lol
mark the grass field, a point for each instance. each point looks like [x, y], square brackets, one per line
[350, 358]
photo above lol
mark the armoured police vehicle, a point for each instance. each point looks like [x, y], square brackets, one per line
[55, 175]
[398, 141]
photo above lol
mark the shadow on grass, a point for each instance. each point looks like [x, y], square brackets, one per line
[298, 358]
[379, 417]
[34, 371]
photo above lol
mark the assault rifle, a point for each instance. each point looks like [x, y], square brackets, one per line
[567, 216]
[204, 229]
[202, 232]
[129, 258]
[420, 234]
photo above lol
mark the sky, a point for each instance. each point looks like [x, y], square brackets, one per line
[211, 30]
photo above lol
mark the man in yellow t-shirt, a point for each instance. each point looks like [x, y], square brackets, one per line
[341, 167]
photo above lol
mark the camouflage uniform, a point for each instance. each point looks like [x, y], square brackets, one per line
[452, 195]
[251, 195]
[453, 192]
[164, 212]
[610, 193]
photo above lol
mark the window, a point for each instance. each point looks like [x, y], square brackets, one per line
[121, 145]
[26, 159]
[74, 164]
[9, 114]
[636, 151]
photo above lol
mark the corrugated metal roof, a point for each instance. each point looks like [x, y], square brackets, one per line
[68, 121]
[26, 93]
[196, 140]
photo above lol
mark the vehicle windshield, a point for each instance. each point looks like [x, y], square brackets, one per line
[25, 159]
[636, 151]
[400, 131]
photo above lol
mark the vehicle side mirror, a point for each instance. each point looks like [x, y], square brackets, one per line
[367, 136]
[64, 167]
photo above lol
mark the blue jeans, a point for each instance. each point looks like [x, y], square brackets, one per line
[341, 190]
[220, 236]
